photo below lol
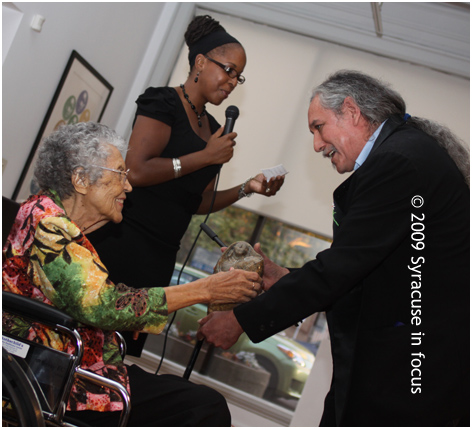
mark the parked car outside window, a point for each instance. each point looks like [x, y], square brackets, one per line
[288, 362]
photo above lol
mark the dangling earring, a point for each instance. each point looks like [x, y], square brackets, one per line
[196, 78]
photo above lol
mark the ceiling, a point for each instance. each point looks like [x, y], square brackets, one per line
[434, 35]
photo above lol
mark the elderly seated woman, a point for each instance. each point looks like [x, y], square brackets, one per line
[83, 181]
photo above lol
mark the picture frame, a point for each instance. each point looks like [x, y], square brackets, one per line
[81, 96]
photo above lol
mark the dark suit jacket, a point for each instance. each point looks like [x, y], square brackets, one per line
[395, 286]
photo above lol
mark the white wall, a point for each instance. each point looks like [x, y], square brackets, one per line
[112, 37]
[281, 71]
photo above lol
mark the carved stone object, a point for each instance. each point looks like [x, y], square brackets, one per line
[242, 256]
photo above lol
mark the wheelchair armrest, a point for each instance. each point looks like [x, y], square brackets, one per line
[36, 310]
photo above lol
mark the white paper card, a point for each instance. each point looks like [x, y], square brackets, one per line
[278, 170]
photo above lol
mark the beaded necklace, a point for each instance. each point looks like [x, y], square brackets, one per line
[199, 115]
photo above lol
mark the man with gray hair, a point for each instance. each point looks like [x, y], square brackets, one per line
[395, 282]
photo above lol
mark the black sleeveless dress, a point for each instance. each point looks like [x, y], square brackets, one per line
[141, 250]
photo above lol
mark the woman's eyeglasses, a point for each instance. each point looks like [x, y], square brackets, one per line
[232, 73]
[123, 174]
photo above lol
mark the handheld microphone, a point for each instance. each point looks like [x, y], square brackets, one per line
[232, 113]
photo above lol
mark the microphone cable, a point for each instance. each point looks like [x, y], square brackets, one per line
[185, 263]
[231, 114]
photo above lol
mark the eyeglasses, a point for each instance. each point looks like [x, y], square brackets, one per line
[124, 174]
[232, 73]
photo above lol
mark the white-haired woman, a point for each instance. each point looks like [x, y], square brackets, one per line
[83, 181]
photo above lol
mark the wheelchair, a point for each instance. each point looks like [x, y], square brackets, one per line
[36, 379]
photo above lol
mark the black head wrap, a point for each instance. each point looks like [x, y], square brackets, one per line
[208, 43]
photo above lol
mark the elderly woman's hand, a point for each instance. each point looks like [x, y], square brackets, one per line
[233, 286]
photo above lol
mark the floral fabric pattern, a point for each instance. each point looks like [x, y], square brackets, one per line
[48, 258]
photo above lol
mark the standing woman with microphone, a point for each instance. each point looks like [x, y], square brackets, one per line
[175, 152]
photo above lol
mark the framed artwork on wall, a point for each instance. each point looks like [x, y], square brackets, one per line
[81, 96]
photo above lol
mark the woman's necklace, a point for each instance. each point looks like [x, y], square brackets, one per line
[199, 115]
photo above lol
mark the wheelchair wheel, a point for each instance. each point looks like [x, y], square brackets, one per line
[20, 405]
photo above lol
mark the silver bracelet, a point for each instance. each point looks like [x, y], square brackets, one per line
[177, 167]
[241, 193]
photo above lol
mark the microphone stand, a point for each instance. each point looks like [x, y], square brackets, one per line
[193, 359]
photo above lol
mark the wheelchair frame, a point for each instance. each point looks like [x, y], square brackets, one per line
[59, 321]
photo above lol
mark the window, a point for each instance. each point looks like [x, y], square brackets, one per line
[275, 369]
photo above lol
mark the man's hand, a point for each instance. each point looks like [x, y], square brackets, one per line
[220, 328]
[272, 272]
